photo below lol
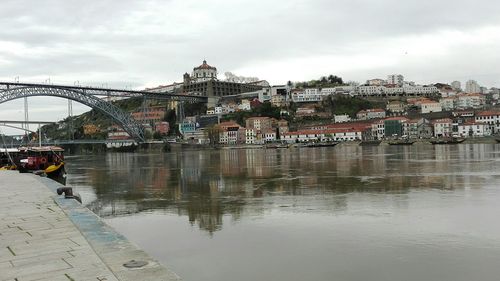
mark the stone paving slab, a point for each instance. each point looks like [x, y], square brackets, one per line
[46, 237]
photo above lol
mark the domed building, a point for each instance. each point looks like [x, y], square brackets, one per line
[204, 72]
[203, 81]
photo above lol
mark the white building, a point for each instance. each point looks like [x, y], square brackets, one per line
[443, 127]
[473, 129]
[378, 130]
[341, 118]
[430, 106]
[472, 86]
[396, 106]
[370, 90]
[269, 136]
[407, 89]
[376, 82]
[250, 136]
[448, 103]
[420, 89]
[346, 134]
[371, 114]
[338, 90]
[456, 85]
[204, 72]
[395, 79]
[245, 105]
[475, 101]
[307, 95]
[492, 118]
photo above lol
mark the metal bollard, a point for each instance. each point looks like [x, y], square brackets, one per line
[68, 193]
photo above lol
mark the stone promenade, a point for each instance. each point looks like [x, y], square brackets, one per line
[46, 237]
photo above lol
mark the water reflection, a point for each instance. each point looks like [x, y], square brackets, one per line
[205, 186]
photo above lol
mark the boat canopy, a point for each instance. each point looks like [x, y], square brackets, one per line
[42, 149]
[9, 150]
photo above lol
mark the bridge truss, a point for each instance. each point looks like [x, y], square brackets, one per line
[89, 97]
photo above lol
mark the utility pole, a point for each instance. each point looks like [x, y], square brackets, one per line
[70, 119]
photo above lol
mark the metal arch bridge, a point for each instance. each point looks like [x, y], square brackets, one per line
[89, 97]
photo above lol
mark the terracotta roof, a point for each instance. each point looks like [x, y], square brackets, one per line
[488, 113]
[397, 118]
[471, 123]
[444, 120]
[204, 65]
[228, 124]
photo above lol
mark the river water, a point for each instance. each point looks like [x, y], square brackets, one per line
[381, 213]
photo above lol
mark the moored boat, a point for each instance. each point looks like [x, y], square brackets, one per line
[41, 158]
[401, 142]
[447, 141]
[321, 144]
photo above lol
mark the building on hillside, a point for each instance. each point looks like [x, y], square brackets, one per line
[245, 105]
[376, 82]
[231, 133]
[340, 134]
[448, 103]
[371, 114]
[443, 127]
[90, 129]
[395, 79]
[162, 127]
[259, 123]
[251, 136]
[203, 81]
[475, 101]
[116, 132]
[492, 118]
[306, 95]
[430, 106]
[282, 127]
[280, 95]
[378, 130]
[342, 118]
[473, 129]
[457, 86]
[187, 127]
[269, 135]
[305, 111]
[472, 87]
[279, 100]
[149, 115]
[396, 107]
[165, 88]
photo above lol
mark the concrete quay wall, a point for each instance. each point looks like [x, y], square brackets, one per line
[44, 236]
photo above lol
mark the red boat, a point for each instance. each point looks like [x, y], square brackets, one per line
[49, 159]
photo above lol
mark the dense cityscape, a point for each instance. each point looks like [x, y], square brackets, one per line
[249, 111]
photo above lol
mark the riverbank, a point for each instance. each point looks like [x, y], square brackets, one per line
[44, 236]
[162, 147]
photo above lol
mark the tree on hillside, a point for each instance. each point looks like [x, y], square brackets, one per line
[345, 105]
[171, 118]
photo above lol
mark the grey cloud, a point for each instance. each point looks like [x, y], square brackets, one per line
[157, 41]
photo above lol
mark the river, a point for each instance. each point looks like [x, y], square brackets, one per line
[381, 213]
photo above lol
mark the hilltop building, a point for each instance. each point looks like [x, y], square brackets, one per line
[395, 79]
[472, 87]
[203, 81]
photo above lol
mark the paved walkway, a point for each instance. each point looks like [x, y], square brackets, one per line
[40, 239]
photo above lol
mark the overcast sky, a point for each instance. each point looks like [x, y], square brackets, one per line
[130, 43]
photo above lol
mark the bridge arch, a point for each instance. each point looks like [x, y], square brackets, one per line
[134, 129]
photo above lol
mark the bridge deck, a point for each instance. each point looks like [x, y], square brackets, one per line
[46, 237]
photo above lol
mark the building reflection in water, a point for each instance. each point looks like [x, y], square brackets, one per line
[205, 186]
